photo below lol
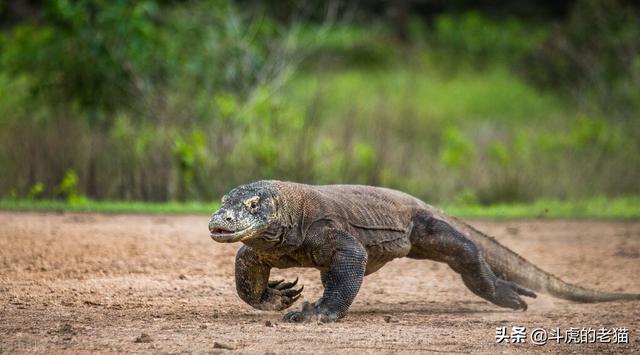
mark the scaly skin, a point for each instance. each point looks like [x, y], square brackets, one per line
[350, 231]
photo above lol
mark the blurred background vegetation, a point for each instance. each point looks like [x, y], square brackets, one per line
[453, 101]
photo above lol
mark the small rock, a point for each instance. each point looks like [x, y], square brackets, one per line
[203, 326]
[182, 277]
[268, 324]
[67, 329]
[513, 230]
[627, 254]
[390, 319]
[64, 329]
[143, 338]
[218, 345]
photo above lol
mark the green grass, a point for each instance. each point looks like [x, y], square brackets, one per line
[597, 208]
[496, 95]
[110, 206]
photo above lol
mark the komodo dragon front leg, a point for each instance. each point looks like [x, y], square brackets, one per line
[254, 287]
[342, 261]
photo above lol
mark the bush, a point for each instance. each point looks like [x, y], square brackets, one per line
[183, 101]
[594, 57]
[474, 39]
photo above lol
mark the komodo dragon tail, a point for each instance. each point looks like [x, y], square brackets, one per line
[511, 266]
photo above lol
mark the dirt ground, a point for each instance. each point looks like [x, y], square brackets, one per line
[73, 283]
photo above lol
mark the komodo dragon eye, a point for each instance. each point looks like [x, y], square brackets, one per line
[252, 203]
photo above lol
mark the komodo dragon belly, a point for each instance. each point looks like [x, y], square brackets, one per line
[383, 245]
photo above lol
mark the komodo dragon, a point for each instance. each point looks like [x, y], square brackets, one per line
[350, 231]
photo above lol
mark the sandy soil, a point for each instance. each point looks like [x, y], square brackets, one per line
[132, 283]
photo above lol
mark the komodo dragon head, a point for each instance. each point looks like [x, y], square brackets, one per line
[247, 212]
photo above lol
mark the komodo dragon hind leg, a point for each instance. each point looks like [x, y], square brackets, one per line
[437, 240]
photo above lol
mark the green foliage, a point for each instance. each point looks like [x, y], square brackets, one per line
[68, 188]
[341, 47]
[468, 96]
[596, 207]
[587, 134]
[86, 205]
[457, 151]
[363, 163]
[226, 104]
[95, 54]
[15, 95]
[466, 198]
[190, 153]
[168, 101]
[36, 191]
[474, 38]
[499, 154]
[593, 56]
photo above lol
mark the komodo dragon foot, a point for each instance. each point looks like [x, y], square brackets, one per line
[311, 312]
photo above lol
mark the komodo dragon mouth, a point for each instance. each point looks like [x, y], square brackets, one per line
[223, 235]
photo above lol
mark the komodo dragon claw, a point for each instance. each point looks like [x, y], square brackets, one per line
[280, 285]
[507, 294]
